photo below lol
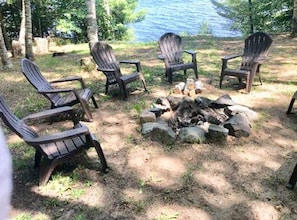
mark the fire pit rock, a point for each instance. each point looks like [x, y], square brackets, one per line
[196, 120]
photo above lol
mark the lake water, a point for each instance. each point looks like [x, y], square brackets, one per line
[179, 16]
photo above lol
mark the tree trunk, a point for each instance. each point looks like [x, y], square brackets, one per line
[22, 29]
[251, 17]
[92, 23]
[108, 19]
[28, 34]
[3, 52]
[294, 19]
[4, 32]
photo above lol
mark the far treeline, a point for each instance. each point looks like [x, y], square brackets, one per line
[81, 21]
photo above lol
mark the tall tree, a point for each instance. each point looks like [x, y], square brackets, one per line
[251, 17]
[3, 51]
[260, 15]
[92, 30]
[28, 32]
[23, 28]
[294, 20]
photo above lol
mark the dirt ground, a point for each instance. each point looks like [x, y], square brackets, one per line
[243, 179]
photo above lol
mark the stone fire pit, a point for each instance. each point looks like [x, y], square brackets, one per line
[196, 120]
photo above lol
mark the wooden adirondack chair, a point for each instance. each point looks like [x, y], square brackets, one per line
[171, 47]
[255, 53]
[59, 97]
[54, 148]
[106, 62]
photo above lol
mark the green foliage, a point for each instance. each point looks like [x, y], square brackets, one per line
[80, 216]
[264, 15]
[112, 23]
[23, 217]
[68, 18]
[24, 154]
[205, 28]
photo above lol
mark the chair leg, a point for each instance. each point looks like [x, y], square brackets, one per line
[143, 81]
[86, 108]
[123, 89]
[196, 71]
[248, 85]
[169, 75]
[38, 157]
[292, 182]
[104, 168]
[221, 80]
[94, 101]
[291, 105]
[260, 79]
[46, 170]
[106, 86]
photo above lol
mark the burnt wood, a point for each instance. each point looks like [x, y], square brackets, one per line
[59, 97]
[106, 61]
[171, 47]
[256, 48]
[53, 149]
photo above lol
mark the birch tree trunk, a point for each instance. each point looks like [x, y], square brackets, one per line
[92, 29]
[23, 29]
[3, 52]
[28, 32]
[108, 18]
[294, 19]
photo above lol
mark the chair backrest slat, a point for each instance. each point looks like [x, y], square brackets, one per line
[34, 76]
[256, 46]
[171, 46]
[14, 123]
[105, 59]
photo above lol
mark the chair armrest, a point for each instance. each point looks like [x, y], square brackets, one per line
[135, 62]
[64, 90]
[64, 135]
[225, 60]
[261, 60]
[70, 79]
[190, 52]
[161, 57]
[48, 113]
[106, 70]
[229, 57]
[129, 61]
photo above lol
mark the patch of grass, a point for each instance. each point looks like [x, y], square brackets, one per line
[24, 217]
[80, 216]
[76, 193]
[262, 117]
[188, 175]
[23, 154]
[88, 183]
[131, 139]
[31, 104]
[51, 203]
[59, 183]
[167, 216]
[142, 185]
[137, 206]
